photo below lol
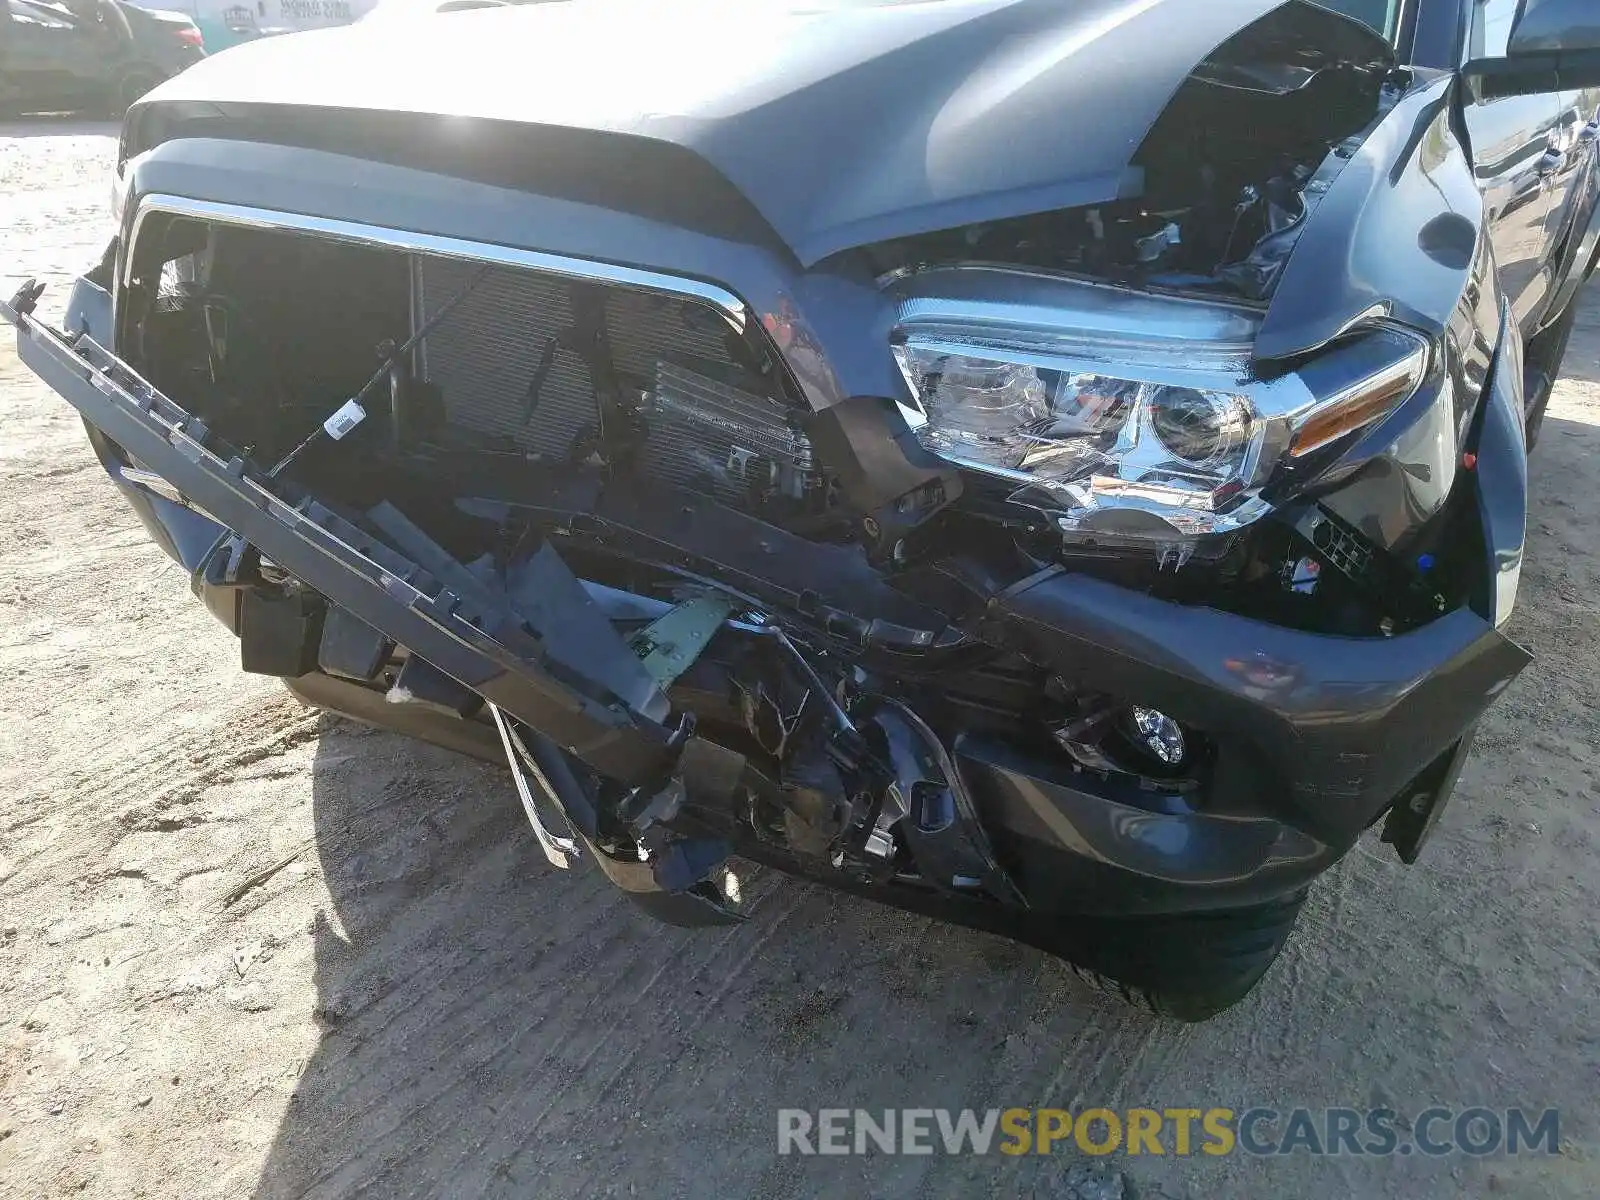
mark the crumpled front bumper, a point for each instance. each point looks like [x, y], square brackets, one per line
[1317, 735]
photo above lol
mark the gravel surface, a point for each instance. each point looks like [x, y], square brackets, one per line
[407, 1001]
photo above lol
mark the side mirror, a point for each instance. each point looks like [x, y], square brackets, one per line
[1554, 46]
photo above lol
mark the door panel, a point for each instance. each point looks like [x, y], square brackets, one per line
[1514, 157]
[1573, 182]
[1516, 152]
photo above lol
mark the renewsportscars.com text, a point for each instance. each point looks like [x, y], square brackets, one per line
[1432, 1132]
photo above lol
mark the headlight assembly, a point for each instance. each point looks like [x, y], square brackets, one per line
[1122, 413]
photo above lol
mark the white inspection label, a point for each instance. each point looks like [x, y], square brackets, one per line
[350, 415]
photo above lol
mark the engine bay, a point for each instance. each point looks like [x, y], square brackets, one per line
[1229, 173]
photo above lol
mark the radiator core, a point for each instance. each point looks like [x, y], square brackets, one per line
[506, 362]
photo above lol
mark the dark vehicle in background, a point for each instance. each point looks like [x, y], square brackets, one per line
[82, 58]
[164, 43]
[1057, 466]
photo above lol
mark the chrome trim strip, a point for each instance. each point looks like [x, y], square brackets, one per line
[160, 486]
[721, 299]
[155, 483]
[1053, 313]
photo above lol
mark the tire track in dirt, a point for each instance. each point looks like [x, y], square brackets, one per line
[165, 774]
[642, 1038]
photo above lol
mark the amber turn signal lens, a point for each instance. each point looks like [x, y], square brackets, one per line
[1359, 406]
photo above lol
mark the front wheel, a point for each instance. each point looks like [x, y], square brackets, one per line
[129, 89]
[1188, 966]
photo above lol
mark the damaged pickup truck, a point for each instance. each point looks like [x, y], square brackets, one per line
[1056, 465]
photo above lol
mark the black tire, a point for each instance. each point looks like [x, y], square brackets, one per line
[1542, 367]
[1189, 967]
[134, 83]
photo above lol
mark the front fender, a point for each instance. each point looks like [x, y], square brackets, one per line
[1396, 236]
[1501, 470]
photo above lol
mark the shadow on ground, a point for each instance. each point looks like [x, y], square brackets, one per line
[493, 1026]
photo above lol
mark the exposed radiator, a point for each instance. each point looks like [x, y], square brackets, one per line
[485, 354]
[712, 437]
[505, 363]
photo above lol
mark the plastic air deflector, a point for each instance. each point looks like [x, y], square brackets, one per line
[350, 647]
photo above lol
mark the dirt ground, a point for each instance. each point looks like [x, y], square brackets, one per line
[249, 950]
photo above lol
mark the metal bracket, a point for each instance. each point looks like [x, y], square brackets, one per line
[559, 850]
[670, 644]
[939, 824]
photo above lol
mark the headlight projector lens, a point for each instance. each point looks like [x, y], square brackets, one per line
[1158, 734]
[1199, 427]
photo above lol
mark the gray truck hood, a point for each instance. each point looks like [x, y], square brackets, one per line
[843, 124]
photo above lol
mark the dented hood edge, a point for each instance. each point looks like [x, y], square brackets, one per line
[1395, 237]
[980, 110]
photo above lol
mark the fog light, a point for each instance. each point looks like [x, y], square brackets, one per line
[1157, 733]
